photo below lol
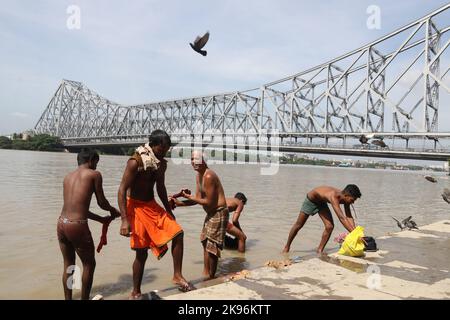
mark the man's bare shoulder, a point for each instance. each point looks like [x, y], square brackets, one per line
[68, 177]
[91, 174]
[160, 173]
[210, 175]
[163, 165]
[71, 173]
[132, 164]
[327, 193]
[325, 190]
[232, 203]
[332, 193]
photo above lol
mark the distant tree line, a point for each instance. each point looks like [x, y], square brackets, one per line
[39, 142]
[333, 163]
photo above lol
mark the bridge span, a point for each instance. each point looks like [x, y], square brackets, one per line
[380, 100]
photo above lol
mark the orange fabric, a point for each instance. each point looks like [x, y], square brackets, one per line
[151, 226]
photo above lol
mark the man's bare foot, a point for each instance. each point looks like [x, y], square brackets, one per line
[183, 285]
[207, 277]
[285, 250]
[135, 296]
[320, 252]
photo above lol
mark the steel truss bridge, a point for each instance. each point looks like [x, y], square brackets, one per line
[387, 90]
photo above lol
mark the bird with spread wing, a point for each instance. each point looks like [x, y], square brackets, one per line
[199, 43]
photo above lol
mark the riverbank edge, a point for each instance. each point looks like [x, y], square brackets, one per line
[340, 277]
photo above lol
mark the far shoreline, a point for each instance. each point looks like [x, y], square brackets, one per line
[240, 162]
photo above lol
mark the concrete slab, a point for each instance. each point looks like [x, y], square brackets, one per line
[410, 265]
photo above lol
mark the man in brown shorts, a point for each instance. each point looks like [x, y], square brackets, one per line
[72, 228]
[211, 196]
[316, 201]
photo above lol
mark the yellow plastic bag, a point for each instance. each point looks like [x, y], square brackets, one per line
[353, 245]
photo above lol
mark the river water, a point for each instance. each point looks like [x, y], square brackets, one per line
[31, 200]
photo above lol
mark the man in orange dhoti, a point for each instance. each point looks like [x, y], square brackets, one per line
[147, 224]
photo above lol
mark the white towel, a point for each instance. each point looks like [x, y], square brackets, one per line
[148, 157]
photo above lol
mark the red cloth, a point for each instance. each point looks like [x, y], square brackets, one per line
[103, 240]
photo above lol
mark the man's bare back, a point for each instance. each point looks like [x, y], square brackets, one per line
[72, 229]
[323, 194]
[79, 186]
[232, 204]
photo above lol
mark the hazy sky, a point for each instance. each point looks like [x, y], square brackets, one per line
[137, 51]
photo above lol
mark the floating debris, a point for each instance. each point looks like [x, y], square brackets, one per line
[239, 275]
[278, 264]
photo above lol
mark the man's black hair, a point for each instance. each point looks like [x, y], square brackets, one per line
[87, 155]
[353, 190]
[159, 137]
[241, 197]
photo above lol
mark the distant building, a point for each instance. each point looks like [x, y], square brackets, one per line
[27, 134]
[436, 167]
[388, 163]
[345, 164]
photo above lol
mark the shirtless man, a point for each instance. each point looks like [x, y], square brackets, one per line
[147, 224]
[317, 202]
[209, 194]
[236, 205]
[72, 228]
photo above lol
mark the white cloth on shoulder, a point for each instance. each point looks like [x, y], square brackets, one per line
[149, 159]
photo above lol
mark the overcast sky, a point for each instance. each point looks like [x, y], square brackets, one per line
[137, 51]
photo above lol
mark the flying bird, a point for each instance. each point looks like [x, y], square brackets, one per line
[199, 43]
[446, 195]
[379, 143]
[399, 224]
[410, 224]
[363, 139]
[431, 179]
[406, 223]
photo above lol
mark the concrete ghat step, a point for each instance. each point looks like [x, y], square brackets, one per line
[411, 264]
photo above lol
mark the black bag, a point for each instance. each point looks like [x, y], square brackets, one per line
[371, 245]
[231, 243]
